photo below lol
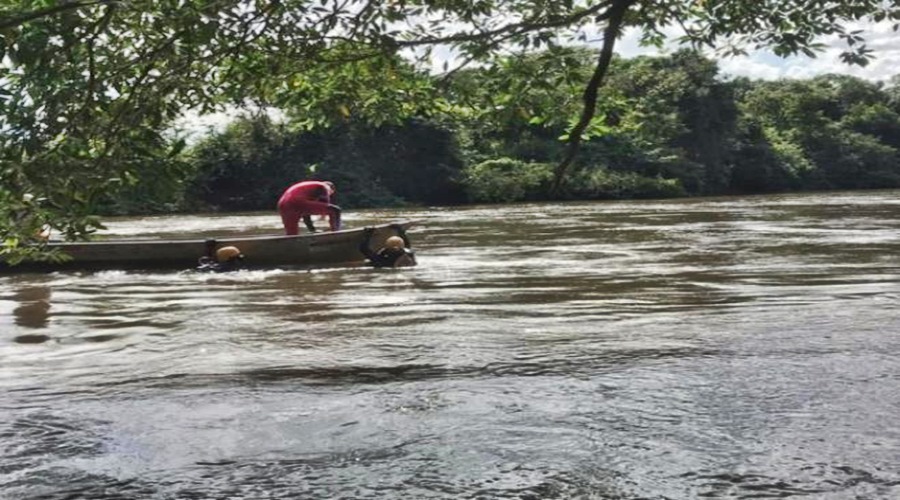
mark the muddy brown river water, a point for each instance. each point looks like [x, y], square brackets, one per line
[725, 348]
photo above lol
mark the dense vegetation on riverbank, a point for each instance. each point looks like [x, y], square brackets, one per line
[90, 92]
[668, 126]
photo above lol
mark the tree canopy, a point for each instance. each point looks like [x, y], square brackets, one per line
[670, 127]
[88, 88]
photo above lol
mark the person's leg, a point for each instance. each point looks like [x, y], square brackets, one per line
[291, 220]
[310, 207]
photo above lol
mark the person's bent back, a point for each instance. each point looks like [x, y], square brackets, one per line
[305, 199]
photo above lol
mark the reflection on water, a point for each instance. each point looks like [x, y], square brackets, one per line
[731, 347]
[34, 307]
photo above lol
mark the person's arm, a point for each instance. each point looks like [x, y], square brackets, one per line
[408, 259]
[334, 217]
[323, 194]
[309, 223]
[364, 246]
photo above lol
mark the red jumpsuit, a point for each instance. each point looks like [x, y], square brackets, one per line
[304, 199]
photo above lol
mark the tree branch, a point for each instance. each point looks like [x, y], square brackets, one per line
[522, 27]
[446, 77]
[616, 17]
[95, 31]
[49, 11]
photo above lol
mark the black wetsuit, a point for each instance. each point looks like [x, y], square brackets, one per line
[210, 265]
[386, 257]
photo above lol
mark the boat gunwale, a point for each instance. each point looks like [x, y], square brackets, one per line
[310, 240]
[236, 239]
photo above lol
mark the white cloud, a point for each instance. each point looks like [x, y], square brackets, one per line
[763, 64]
[195, 125]
[749, 67]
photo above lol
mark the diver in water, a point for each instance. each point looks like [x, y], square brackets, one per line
[226, 259]
[396, 251]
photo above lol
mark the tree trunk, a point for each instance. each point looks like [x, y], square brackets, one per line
[616, 16]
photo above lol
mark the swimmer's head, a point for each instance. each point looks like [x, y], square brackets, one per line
[394, 243]
[228, 254]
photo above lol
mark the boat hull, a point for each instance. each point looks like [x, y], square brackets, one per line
[312, 249]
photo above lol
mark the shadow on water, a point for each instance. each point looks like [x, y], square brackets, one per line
[576, 364]
[33, 310]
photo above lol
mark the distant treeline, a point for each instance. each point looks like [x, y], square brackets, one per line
[666, 126]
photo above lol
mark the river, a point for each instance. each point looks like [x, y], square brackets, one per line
[724, 347]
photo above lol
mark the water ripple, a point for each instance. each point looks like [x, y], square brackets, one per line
[730, 347]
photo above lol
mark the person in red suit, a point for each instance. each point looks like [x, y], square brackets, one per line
[305, 199]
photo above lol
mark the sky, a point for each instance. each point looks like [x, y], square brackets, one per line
[757, 65]
[766, 66]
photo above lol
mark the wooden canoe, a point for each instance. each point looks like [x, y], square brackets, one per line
[310, 249]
